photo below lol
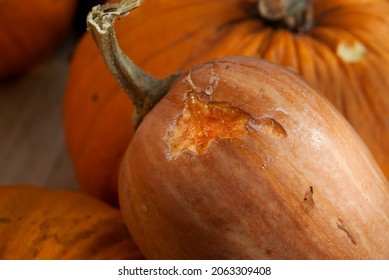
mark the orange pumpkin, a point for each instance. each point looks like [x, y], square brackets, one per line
[30, 30]
[38, 223]
[342, 52]
[239, 158]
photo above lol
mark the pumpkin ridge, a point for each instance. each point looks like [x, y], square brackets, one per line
[204, 52]
[215, 36]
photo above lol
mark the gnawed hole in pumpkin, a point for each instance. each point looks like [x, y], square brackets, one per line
[203, 122]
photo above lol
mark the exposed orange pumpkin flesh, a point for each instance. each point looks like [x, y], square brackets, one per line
[201, 123]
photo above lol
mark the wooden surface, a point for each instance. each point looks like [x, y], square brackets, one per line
[32, 146]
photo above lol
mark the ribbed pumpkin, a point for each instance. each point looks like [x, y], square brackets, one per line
[39, 223]
[31, 30]
[342, 52]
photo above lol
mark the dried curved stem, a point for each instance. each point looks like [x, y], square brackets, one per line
[144, 90]
[295, 14]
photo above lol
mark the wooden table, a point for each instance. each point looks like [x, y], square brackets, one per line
[32, 145]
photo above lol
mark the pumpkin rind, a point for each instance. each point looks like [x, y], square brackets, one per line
[38, 223]
[165, 36]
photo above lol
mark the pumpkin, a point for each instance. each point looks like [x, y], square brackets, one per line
[340, 50]
[40, 223]
[31, 30]
[239, 158]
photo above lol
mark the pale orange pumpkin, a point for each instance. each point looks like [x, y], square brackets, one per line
[39, 223]
[30, 31]
[342, 52]
[253, 166]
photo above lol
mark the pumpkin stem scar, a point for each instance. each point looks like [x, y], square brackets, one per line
[144, 90]
[293, 14]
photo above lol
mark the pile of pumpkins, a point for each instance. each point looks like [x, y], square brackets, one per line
[239, 129]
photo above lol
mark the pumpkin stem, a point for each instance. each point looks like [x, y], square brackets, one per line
[293, 14]
[144, 90]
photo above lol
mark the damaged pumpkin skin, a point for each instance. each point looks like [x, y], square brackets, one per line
[294, 182]
[45, 224]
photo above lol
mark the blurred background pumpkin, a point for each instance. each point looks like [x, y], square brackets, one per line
[30, 31]
[338, 46]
